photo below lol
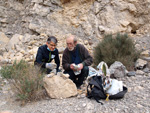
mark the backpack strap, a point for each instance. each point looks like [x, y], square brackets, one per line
[88, 92]
[97, 100]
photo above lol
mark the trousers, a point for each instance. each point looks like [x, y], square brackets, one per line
[78, 79]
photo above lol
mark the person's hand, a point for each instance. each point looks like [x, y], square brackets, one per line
[50, 66]
[80, 66]
[72, 66]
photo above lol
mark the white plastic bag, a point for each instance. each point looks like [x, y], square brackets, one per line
[100, 68]
[92, 72]
[76, 67]
[116, 87]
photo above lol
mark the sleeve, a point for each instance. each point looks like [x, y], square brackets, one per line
[65, 60]
[57, 60]
[39, 58]
[87, 60]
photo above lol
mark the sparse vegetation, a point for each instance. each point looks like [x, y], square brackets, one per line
[119, 48]
[26, 80]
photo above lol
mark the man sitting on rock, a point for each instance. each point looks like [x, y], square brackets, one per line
[76, 60]
[46, 53]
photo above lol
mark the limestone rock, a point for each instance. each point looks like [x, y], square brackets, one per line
[140, 64]
[1, 58]
[86, 42]
[17, 57]
[18, 6]
[146, 58]
[57, 87]
[139, 72]
[3, 38]
[41, 10]
[61, 50]
[14, 41]
[124, 23]
[33, 51]
[148, 65]
[146, 53]
[117, 69]
[57, 2]
[146, 70]
[138, 47]
[37, 1]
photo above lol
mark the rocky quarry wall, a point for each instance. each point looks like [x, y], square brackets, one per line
[25, 25]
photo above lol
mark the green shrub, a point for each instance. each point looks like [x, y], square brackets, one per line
[6, 72]
[26, 80]
[119, 48]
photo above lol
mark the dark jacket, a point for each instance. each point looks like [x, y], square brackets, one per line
[85, 57]
[45, 56]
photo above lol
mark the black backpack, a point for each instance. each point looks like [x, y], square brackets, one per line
[96, 90]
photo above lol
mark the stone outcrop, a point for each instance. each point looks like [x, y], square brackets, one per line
[88, 19]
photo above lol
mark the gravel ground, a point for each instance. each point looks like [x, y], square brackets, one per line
[136, 100]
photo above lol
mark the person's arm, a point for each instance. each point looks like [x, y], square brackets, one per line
[39, 58]
[85, 56]
[57, 60]
[66, 60]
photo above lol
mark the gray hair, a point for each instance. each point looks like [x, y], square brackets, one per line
[75, 39]
[52, 39]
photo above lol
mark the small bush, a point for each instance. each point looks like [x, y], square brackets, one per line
[119, 48]
[6, 72]
[26, 80]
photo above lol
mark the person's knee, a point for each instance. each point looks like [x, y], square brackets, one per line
[68, 72]
[85, 69]
[71, 74]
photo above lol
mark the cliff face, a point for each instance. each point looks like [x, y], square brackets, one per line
[88, 19]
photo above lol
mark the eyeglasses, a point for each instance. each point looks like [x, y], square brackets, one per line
[52, 45]
[69, 44]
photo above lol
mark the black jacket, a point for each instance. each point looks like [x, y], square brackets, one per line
[45, 56]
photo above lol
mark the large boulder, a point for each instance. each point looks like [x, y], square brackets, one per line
[117, 69]
[59, 87]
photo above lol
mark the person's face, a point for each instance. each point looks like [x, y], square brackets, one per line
[70, 44]
[51, 45]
